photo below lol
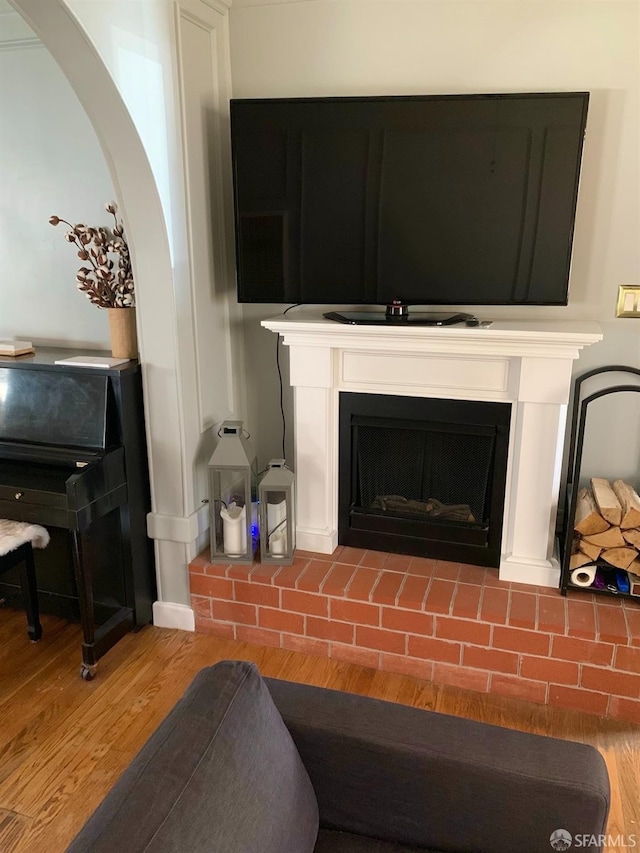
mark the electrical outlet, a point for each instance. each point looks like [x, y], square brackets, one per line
[628, 301]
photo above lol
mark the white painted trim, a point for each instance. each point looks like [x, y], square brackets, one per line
[320, 542]
[411, 374]
[176, 528]
[15, 34]
[527, 365]
[168, 615]
[243, 3]
[198, 14]
[182, 13]
[550, 339]
[534, 572]
[221, 6]
[20, 44]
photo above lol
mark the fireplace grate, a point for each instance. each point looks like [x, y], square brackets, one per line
[451, 467]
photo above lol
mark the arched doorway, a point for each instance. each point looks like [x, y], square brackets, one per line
[137, 193]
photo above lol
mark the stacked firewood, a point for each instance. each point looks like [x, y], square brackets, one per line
[607, 529]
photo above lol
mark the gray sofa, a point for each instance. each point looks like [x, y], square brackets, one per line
[244, 764]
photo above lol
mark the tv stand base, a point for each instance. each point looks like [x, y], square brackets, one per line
[398, 314]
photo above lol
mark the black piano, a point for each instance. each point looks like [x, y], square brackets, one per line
[73, 459]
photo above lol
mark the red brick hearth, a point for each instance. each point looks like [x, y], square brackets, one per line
[448, 623]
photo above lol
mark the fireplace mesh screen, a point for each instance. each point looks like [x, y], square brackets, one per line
[451, 467]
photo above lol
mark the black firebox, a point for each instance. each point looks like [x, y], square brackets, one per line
[424, 477]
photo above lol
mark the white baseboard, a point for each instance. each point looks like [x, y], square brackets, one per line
[535, 572]
[321, 542]
[169, 615]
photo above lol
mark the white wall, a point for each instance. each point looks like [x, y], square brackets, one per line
[369, 47]
[50, 163]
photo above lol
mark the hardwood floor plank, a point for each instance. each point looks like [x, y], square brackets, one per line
[13, 829]
[615, 826]
[24, 660]
[64, 741]
[84, 728]
[627, 758]
[12, 622]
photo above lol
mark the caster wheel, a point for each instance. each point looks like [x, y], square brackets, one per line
[87, 673]
[35, 635]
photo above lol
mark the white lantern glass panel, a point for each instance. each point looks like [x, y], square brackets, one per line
[232, 495]
[277, 514]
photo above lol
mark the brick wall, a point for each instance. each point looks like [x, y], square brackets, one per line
[444, 622]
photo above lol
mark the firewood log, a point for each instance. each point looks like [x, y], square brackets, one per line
[592, 551]
[621, 558]
[630, 502]
[588, 520]
[577, 560]
[611, 538]
[606, 501]
[632, 536]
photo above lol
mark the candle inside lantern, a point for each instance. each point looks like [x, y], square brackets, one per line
[278, 544]
[234, 530]
[277, 524]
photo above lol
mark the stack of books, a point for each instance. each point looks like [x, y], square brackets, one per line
[13, 348]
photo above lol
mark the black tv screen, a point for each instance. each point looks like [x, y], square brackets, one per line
[430, 200]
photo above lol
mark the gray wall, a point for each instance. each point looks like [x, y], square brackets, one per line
[351, 47]
[50, 163]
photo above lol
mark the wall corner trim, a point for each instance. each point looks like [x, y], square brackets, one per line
[178, 528]
[169, 615]
[221, 6]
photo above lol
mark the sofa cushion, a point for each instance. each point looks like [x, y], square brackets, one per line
[440, 782]
[221, 774]
[334, 841]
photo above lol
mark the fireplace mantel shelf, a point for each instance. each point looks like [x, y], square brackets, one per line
[551, 338]
[526, 364]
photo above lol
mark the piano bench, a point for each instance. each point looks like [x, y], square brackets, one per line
[16, 549]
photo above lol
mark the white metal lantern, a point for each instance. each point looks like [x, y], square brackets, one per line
[232, 496]
[276, 499]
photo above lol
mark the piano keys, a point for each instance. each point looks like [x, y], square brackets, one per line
[73, 457]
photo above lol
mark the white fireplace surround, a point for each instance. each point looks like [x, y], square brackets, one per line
[526, 364]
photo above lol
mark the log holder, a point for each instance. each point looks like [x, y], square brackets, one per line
[578, 425]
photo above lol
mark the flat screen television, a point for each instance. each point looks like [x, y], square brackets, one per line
[420, 200]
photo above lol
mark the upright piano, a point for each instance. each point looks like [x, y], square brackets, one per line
[73, 457]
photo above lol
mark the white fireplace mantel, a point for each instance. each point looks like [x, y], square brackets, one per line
[528, 365]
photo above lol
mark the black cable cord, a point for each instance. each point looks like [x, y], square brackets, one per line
[282, 414]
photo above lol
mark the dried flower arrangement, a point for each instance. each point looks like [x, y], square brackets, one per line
[107, 283]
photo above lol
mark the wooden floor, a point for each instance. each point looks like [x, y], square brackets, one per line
[63, 741]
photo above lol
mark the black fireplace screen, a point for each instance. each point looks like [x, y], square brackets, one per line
[426, 472]
[423, 476]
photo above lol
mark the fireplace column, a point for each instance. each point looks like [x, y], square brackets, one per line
[316, 447]
[539, 421]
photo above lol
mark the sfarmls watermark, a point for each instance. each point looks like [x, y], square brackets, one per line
[561, 839]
